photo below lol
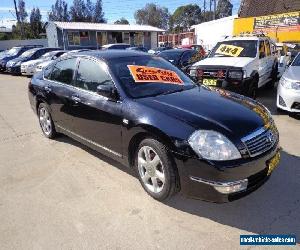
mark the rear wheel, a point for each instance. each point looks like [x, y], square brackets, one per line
[155, 169]
[274, 76]
[46, 121]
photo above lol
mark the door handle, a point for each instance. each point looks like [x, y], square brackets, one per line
[75, 99]
[47, 89]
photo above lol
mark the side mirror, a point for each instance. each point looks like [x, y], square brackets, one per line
[262, 55]
[108, 91]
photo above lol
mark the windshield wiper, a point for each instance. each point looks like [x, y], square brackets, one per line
[173, 91]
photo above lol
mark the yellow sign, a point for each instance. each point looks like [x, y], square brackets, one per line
[229, 50]
[151, 74]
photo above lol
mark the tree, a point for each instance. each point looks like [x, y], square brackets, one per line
[78, 11]
[154, 15]
[89, 11]
[185, 16]
[59, 11]
[98, 13]
[35, 22]
[122, 20]
[224, 8]
[22, 11]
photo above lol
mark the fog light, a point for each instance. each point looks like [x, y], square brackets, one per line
[231, 187]
[224, 187]
[281, 102]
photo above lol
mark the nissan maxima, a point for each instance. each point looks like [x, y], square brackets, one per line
[144, 112]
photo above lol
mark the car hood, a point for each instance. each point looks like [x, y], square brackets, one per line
[212, 109]
[225, 61]
[293, 73]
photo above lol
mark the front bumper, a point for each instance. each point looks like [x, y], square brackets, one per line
[2, 67]
[288, 99]
[27, 71]
[15, 70]
[255, 170]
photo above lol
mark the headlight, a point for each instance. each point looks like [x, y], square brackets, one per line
[212, 145]
[288, 84]
[235, 74]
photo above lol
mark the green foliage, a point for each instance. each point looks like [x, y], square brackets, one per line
[122, 20]
[5, 36]
[98, 13]
[154, 15]
[185, 16]
[78, 11]
[59, 11]
[22, 11]
[224, 8]
[35, 22]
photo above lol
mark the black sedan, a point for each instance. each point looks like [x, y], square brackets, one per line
[14, 66]
[147, 114]
[182, 58]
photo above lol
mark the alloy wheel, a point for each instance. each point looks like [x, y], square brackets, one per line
[45, 121]
[151, 169]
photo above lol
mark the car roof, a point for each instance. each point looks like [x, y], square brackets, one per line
[111, 54]
[176, 50]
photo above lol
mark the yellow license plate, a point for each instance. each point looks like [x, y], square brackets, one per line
[210, 82]
[273, 163]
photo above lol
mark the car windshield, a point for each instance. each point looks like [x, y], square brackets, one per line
[153, 68]
[13, 51]
[28, 53]
[172, 56]
[235, 48]
[296, 61]
[49, 54]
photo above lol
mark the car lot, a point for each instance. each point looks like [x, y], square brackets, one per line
[60, 194]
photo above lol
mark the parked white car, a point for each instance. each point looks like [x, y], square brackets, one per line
[240, 64]
[284, 58]
[29, 68]
[288, 90]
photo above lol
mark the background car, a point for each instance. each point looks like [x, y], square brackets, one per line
[157, 50]
[29, 68]
[288, 90]
[13, 53]
[181, 58]
[138, 48]
[283, 58]
[116, 46]
[14, 66]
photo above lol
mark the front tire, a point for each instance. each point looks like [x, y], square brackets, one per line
[253, 89]
[155, 169]
[46, 122]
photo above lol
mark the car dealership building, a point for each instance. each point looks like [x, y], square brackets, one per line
[74, 35]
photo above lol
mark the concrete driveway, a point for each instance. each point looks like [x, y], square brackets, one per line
[58, 194]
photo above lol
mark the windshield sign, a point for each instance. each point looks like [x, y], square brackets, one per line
[235, 48]
[151, 74]
[229, 50]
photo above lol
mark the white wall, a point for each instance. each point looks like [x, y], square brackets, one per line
[7, 44]
[209, 33]
[154, 40]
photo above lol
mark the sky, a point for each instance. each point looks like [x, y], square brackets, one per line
[113, 9]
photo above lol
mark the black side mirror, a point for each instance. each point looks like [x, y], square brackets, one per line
[262, 55]
[108, 91]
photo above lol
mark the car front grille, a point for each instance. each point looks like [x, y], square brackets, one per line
[214, 73]
[260, 141]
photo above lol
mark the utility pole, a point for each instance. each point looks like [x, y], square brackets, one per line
[210, 15]
[215, 9]
[204, 10]
[18, 19]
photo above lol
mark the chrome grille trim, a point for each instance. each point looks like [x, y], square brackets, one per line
[260, 141]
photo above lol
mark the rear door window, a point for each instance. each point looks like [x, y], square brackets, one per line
[262, 49]
[63, 71]
[90, 75]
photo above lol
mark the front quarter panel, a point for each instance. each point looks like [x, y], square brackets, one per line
[141, 120]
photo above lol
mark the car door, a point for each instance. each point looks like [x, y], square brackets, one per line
[269, 58]
[59, 91]
[263, 64]
[96, 118]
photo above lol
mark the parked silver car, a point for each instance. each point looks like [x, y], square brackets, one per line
[29, 68]
[288, 92]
